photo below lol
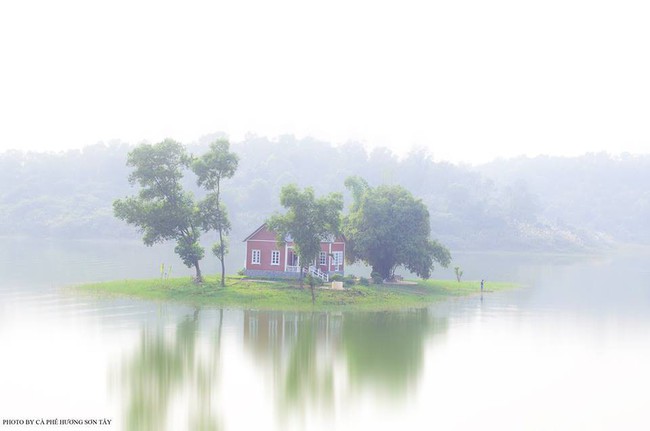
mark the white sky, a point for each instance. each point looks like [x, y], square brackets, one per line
[470, 80]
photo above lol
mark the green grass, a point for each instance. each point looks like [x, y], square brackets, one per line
[241, 292]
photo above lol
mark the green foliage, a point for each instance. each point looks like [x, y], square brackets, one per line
[189, 250]
[350, 280]
[215, 165]
[211, 168]
[158, 169]
[313, 281]
[221, 248]
[213, 214]
[363, 281]
[376, 277]
[336, 277]
[543, 203]
[387, 227]
[162, 210]
[308, 220]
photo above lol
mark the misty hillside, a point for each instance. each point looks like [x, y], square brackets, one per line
[520, 204]
[598, 192]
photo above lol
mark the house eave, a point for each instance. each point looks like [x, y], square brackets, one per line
[255, 232]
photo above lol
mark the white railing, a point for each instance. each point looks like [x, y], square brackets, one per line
[315, 271]
[318, 273]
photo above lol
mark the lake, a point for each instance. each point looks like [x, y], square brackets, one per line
[567, 351]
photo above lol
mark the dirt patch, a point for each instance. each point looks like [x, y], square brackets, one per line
[401, 283]
[332, 287]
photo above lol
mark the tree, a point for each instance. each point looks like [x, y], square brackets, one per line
[459, 273]
[308, 221]
[162, 210]
[387, 227]
[215, 165]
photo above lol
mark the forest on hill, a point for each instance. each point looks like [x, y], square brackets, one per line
[542, 203]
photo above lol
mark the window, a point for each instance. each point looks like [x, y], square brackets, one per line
[275, 257]
[322, 258]
[338, 258]
[257, 257]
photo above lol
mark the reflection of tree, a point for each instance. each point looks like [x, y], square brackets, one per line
[309, 375]
[386, 350]
[164, 366]
[382, 351]
[300, 350]
[267, 333]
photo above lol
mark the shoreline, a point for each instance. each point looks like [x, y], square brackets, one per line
[285, 295]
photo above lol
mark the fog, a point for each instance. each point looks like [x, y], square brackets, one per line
[468, 80]
[544, 203]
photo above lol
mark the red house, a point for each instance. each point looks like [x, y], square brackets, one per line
[266, 258]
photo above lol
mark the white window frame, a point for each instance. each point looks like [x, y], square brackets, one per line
[322, 258]
[337, 259]
[256, 257]
[275, 257]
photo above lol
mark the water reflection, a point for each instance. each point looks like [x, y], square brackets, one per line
[168, 363]
[386, 350]
[319, 358]
[312, 363]
[299, 350]
[578, 325]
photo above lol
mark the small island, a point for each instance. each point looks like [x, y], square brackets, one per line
[245, 293]
[308, 245]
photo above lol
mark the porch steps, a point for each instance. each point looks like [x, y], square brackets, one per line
[316, 272]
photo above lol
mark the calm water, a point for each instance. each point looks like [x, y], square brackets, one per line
[569, 351]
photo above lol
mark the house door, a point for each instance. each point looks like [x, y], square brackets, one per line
[337, 260]
[293, 262]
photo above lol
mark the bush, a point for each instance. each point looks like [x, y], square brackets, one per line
[310, 280]
[350, 280]
[336, 277]
[376, 278]
[364, 281]
[241, 271]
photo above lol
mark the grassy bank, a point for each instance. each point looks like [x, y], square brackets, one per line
[284, 295]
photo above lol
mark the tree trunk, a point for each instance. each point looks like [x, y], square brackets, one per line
[383, 271]
[221, 245]
[312, 282]
[221, 256]
[199, 277]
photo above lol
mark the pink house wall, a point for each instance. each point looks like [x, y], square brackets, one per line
[265, 248]
[264, 241]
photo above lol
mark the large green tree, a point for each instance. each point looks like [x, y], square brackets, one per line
[387, 227]
[211, 168]
[162, 210]
[308, 221]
